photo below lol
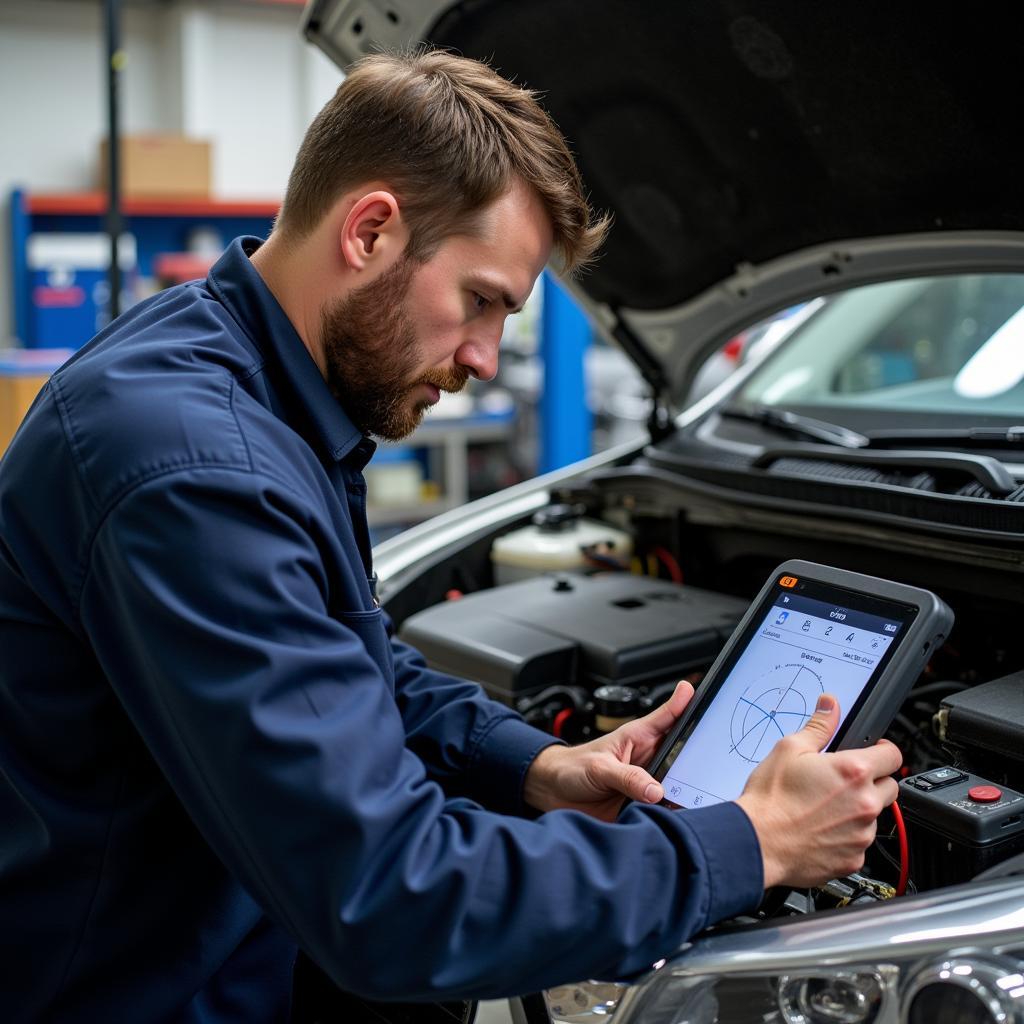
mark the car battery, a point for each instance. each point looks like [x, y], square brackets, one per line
[986, 723]
[958, 824]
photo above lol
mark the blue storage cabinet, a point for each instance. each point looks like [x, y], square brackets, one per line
[157, 226]
[69, 290]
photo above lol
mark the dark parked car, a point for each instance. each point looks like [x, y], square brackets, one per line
[855, 161]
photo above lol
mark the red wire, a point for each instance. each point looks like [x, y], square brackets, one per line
[560, 719]
[901, 831]
[670, 563]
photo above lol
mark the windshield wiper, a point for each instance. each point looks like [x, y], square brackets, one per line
[831, 433]
[801, 426]
[968, 437]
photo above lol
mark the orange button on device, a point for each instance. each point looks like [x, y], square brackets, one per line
[788, 582]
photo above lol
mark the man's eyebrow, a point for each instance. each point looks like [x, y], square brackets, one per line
[511, 303]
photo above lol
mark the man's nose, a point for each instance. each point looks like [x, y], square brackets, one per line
[480, 355]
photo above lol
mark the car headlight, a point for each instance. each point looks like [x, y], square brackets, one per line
[843, 997]
[953, 956]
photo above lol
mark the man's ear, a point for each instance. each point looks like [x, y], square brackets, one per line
[374, 234]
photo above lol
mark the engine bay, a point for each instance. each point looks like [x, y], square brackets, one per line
[588, 615]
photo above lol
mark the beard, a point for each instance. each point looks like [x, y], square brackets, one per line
[371, 353]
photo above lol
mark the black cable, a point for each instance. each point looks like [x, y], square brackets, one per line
[921, 691]
[603, 561]
[911, 888]
[908, 726]
[660, 693]
[576, 698]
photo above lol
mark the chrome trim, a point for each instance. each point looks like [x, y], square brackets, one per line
[980, 922]
[930, 925]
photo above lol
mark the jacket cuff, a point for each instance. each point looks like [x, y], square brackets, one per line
[732, 857]
[501, 760]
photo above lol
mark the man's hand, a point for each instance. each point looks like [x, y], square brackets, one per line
[595, 777]
[814, 814]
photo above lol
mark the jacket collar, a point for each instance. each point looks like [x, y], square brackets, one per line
[237, 284]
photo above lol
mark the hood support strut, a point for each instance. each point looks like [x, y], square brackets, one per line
[660, 421]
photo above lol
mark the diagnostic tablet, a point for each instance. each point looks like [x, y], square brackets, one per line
[811, 630]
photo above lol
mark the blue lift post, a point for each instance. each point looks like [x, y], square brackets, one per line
[565, 420]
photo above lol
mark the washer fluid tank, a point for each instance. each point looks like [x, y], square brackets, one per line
[557, 540]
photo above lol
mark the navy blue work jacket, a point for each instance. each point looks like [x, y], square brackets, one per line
[212, 750]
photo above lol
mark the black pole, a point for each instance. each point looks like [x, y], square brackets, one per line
[115, 61]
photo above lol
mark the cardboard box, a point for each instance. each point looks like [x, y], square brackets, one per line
[161, 166]
[22, 374]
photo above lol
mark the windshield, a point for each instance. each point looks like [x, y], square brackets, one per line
[939, 345]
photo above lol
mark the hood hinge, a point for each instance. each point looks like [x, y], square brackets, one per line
[660, 423]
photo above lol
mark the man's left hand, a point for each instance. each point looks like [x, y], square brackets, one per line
[595, 777]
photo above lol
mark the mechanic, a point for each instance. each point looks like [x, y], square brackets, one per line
[213, 751]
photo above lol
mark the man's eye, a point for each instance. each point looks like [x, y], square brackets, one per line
[480, 302]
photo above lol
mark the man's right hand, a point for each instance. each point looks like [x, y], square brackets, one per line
[814, 814]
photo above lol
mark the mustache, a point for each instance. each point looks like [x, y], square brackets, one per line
[446, 380]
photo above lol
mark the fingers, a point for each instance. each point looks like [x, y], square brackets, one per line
[879, 761]
[815, 816]
[887, 790]
[821, 726]
[630, 780]
[662, 718]
[870, 770]
[890, 755]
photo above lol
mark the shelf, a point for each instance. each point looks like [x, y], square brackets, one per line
[95, 204]
[159, 226]
[177, 267]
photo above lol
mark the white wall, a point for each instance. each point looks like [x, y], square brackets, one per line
[238, 74]
[251, 83]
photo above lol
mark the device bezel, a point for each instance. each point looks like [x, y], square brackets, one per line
[926, 619]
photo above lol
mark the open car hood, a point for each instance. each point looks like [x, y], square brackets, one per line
[753, 154]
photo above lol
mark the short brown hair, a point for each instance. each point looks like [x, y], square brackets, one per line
[450, 136]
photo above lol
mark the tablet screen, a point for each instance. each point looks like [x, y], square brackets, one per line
[820, 639]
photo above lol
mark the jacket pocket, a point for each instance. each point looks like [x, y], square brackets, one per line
[369, 627]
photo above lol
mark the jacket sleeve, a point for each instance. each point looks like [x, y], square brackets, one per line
[471, 745]
[207, 604]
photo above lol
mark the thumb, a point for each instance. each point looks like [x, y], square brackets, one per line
[631, 780]
[821, 726]
[662, 718]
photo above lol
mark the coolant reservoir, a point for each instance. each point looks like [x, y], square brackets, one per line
[557, 540]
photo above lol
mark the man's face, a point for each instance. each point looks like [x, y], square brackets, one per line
[373, 360]
[393, 345]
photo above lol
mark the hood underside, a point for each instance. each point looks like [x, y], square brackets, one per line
[725, 135]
